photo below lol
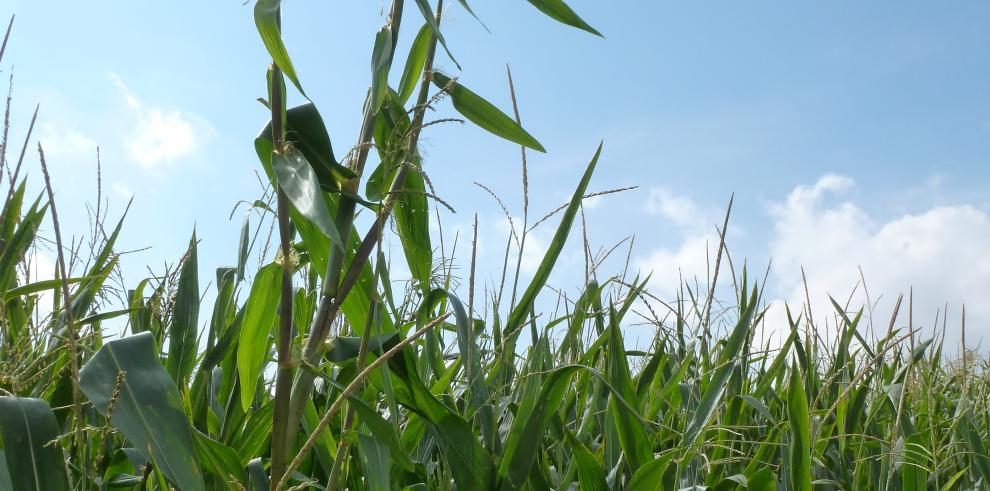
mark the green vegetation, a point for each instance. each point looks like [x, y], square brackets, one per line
[312, 371]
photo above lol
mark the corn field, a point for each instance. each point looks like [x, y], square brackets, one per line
[317, 370]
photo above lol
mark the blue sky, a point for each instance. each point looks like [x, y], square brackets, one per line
[853, 134]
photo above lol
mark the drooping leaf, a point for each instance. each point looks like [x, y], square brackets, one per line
[300, 184]
[484, 114]
[305, 129]
[266, 19]
[148, 409]
[561, 12]
[431, 20]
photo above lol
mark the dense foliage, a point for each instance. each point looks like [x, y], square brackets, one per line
[317, 370]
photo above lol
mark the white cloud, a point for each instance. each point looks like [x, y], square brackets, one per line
[680, 210]
[161, 135]
[688, 261]
[66, 142]
[694, 257]
[940, 252]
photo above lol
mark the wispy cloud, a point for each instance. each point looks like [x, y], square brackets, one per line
[66, 142]
[161, 135]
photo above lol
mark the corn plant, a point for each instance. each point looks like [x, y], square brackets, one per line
[316, 370]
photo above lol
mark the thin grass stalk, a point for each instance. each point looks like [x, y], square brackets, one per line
[282, 433]
[20, 159]
[350, 389]
[70, 325]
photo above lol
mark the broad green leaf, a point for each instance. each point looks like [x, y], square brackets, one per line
[650, 477]
[914, 468]
[300, 184]
[266, 19]
[27, 461]
[414, 64]
[377, 463]
[218, 458]
[800, 449]
[482, 113]
[254, 340]
[148, 410]
[591, 477]
[763, 479]
[305, 129]
[559, 11]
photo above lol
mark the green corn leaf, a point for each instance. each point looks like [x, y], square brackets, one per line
[41, 286]
[377, 463]
[431, 20]
[470, 464]
[148, 409]
[591, 477]
[414, 64]
[763, 479]
[266, 19]
[305, 129]
[525, 303]
[184, 328]
[652, 476]
[632, 435]
[381, 60]
[716, 386]
[217, 458]
[300, 184]
[26, 460]
[800, 449]
[482, 113]
[346, 348]
[254, 340]
[559, 11]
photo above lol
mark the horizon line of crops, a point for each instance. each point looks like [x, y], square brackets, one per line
[316, 373]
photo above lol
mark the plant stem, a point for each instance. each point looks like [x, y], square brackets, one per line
[282, 433]
[331, 296]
